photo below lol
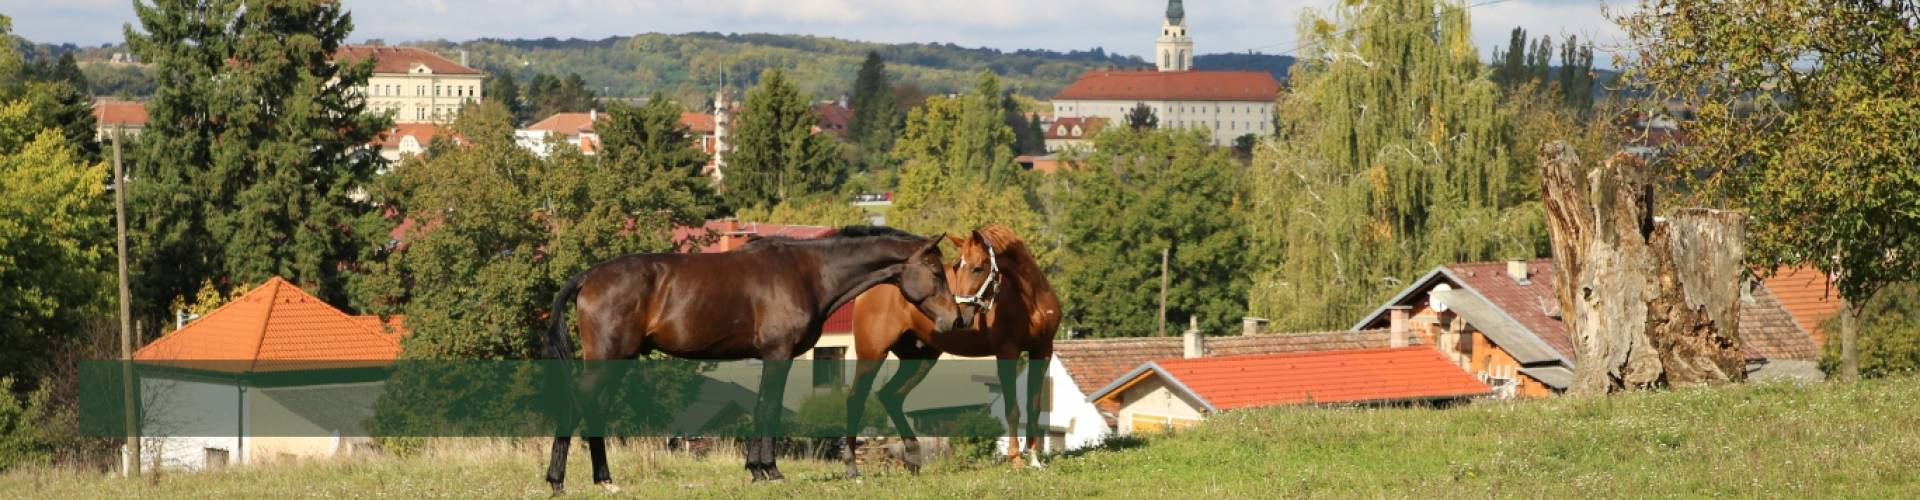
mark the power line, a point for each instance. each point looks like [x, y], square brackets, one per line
[1298, 41]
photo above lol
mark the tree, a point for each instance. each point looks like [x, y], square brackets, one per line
[54, 257]
[821, 209]
[1142, 117]
[776, 153]
[256, 144]
[486, 254]
[958, 170]
[1392, 158]
[1243, 146]
[652, 136]
[1141, 192]
[1888, 331]
[875, 114]
[60, 98]
[1806, 120]
[502, 89]
[548, 95]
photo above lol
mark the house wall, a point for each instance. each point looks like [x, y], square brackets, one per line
[1474, 352]
[421, 97]
[1226, 119]
[1152, 406]
[182, 419]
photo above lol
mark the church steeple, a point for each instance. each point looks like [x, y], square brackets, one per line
[1174, 51]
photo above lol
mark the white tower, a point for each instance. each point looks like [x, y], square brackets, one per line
[1174, 50]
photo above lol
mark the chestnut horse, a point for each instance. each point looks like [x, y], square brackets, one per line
[767, 299]
[1020, 314]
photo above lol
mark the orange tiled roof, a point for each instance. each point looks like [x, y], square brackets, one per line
[833, 118]
[568, 123]
[395, 327]
[128, 113]
[270, 326]
[1347, 376]
[421, 132]
[1767, 330]
[698, 123]
[1094, 363]
[401, 59]
[1245, 86]
[1808, 295]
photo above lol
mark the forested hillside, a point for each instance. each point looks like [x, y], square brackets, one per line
[689, 66]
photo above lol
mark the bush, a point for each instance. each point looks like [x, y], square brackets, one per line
[30, 429]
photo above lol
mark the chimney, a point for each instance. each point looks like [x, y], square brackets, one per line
[1253, 326]
[1517, 269]
[1397, 329]
[593, 115]
[463, 58]
[1194, 345]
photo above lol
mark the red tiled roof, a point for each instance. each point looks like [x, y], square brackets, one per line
[1094, 363]
[1256, 86]
[127, 113]
[1533, 305]
[401, 59]
[1344, 376]
[733, 233]
[275, 323]
[833, 118]
[1767, 331]
[698, 123]
[1064, 128]
[420, 132]
[568, 123]
[1807, 295]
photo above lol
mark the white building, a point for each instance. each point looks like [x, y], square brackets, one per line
[416, 85]
[1230, 104]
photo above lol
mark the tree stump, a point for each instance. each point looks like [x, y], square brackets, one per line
[1649, 302]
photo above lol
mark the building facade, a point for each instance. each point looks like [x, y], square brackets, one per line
[415, 85]
[1228, 104]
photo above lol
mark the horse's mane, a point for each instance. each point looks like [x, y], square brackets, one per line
[838, 234]
[1003, 239]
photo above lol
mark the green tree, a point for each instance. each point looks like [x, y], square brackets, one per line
[59, 96]
[821, 209]
[1142, 117]
[54, 229]
[958, 170]
[502, 89]
[255, 147]
[476, 275]
[1393, 158]
[1889, 335]
[651, 135]
[874, 112]
[1140, 193]
[1806, 119]
[776, 153]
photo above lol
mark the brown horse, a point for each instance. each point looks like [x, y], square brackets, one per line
[1019, 314]
[767, 299]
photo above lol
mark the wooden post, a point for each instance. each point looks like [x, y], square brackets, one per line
[1849, 343]
[1164, 254]
[126, 311]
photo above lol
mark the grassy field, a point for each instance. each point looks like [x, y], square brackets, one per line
[1779, 440]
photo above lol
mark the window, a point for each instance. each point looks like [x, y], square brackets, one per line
[436, 91]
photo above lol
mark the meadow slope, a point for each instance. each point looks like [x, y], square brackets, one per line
[1771, 440]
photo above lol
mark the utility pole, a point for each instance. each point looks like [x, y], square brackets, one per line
[1164, 254]
[128, 390]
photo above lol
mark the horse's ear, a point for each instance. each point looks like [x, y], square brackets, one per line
[983, 238]
[956, 240]
[932, 244]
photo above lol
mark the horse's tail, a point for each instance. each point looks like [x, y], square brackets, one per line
[557, 345]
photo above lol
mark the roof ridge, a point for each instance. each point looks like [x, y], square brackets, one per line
[266, 318]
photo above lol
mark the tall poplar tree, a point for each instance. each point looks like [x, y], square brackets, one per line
[874, 112]
[255, 145]
[1393, 158]
[776, 154]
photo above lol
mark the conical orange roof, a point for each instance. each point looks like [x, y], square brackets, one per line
[270, 326]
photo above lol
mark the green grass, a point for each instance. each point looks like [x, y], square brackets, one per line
[1780, 440]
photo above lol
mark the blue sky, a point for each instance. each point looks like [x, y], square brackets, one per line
[1121, 26]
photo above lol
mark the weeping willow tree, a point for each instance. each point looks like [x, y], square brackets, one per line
[1393, 156]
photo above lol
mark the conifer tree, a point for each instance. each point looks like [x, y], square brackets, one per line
[255, 147]
[874, 113]
[776, 153]
[502, 89]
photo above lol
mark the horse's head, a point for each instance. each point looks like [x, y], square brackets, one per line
[975, 278]
[924, 283]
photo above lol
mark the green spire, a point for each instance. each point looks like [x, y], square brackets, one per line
[1175, 12]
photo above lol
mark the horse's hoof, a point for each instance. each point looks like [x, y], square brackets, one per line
[774, 475]
[853, 474]
[558, 488]
[610, 487]
[913, 469]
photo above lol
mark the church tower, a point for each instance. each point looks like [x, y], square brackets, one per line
[1175, 49]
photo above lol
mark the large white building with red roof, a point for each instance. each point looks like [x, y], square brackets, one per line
[416, 85]
[1229, 104]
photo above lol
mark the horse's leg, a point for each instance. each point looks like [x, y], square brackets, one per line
[1009, 368]
[596, 389]
[1037, 361]
[914, 367]
[766, 417]
[566, 417]
[863, 374]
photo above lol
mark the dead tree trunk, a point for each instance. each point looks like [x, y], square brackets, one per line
[1649, 302]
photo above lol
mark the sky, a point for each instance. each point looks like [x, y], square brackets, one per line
[1119, 26]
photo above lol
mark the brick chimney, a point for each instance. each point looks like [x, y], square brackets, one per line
[1517, 269]
[1193, 344]
[1398, 327]
[1253, 326]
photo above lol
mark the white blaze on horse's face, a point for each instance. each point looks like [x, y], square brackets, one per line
[975, 278]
